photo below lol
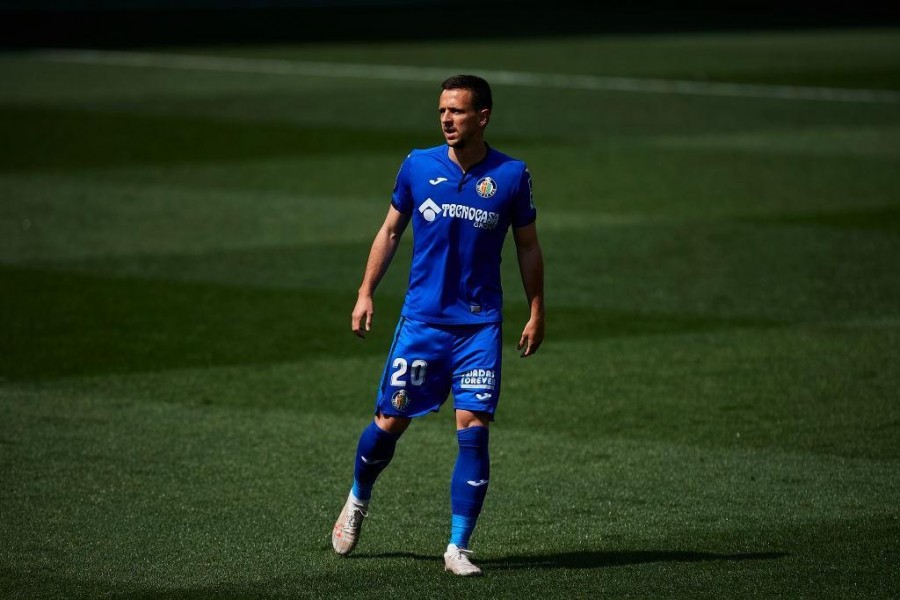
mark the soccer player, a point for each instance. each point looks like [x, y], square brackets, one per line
[462, 197]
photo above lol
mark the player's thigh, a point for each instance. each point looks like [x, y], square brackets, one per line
[417, 374]
[477, 361]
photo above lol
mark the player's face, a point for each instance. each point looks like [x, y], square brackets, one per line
[460, 122]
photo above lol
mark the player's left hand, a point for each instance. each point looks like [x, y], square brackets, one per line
[361, 318]
[532, 336]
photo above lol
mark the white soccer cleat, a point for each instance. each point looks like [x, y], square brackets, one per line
[457, 561]
[345, 534]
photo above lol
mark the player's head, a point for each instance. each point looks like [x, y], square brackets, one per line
[465, 109]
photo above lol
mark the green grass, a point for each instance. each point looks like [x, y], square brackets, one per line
[714, 412]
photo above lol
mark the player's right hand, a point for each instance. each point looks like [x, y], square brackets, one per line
[361, 319]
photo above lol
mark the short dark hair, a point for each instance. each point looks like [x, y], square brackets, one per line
[481, 90]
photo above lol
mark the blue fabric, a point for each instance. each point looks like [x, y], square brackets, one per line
[373, 453]
[461, 529]
[470, 478]
[427, 361]
[460, 220]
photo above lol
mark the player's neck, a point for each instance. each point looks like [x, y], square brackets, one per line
[468, 155]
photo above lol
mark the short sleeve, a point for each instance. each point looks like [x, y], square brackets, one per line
[402, 198]
[524, 212]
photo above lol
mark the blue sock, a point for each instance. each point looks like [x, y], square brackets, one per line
[469, 484]
[461, 529]
[374, 452]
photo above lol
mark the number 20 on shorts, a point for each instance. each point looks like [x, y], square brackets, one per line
[416, 372]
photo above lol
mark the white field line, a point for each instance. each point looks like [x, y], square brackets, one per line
[271, 66]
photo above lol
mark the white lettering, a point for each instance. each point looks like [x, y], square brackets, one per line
[482, 219]
[478, 379]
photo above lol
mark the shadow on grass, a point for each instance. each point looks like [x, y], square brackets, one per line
[59, 139]
[593, 559]
[885, 219]
[56, 324]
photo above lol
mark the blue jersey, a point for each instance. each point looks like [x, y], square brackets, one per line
[460, 220]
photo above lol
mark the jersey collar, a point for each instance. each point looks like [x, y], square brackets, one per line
[466, 175]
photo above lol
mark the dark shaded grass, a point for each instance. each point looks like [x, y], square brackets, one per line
[56, 138]
[58, 324]
[885, 219]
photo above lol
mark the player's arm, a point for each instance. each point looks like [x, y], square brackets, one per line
[383, 248]
[531, 266]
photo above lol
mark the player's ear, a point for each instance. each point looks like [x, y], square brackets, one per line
[485, 117]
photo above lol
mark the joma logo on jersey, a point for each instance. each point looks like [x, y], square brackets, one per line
[482, 219]
[478, 379]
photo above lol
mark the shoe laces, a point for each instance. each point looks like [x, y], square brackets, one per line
[354, 518]
[463, 555]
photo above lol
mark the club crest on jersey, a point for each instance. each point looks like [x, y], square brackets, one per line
[400, 400]
[486, 187]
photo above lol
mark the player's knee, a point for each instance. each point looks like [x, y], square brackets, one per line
[468, 418]
[392, 424]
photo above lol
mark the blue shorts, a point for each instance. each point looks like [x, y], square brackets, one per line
[427, 361]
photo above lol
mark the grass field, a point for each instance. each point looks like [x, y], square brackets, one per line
[714, 412]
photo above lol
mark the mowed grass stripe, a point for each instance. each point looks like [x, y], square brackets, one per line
[149, 225]
[739, 482]
[431, 74]
[201, 488]
[697, 388]
[53, 138]
[63, 323]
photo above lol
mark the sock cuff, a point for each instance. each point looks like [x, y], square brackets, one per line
[473, 436]
[375, 429]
